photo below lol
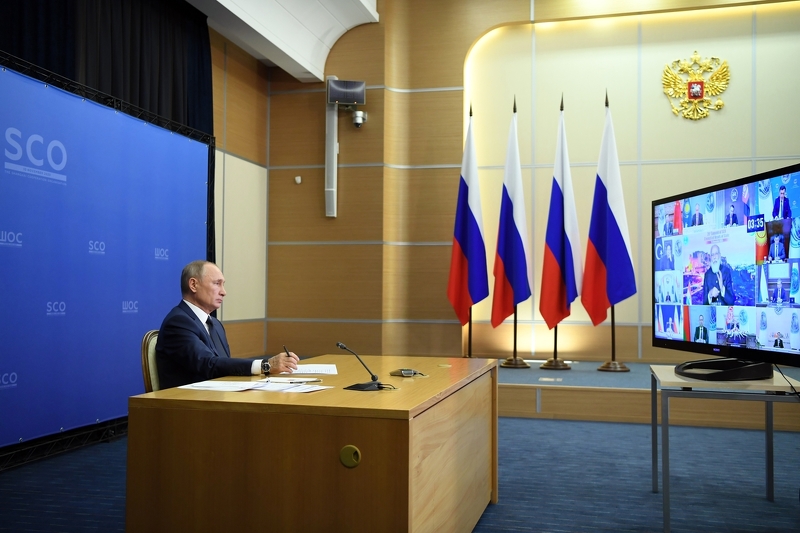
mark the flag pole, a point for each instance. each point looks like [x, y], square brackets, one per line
[469, 334]
[514, 361]
[554, 363]
[613, 365]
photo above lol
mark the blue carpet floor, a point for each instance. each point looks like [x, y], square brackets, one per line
[555, 476]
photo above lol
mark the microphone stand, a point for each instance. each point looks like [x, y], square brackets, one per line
[371, 385]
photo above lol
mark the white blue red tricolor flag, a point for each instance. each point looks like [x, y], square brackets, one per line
[562, 271]
[608, 275]
[469, 282]
[512, 277]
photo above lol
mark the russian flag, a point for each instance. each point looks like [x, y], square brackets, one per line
[562, 272]
[608, 275]
[512, 278]
[469, 281]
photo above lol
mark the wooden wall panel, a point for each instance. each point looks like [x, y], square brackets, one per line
[403, 338]
[325, 281]
[297, 122]
[297, 212]
[359, 54]
[308, 339]
[415, 282]
[427, 42]
[218, 44]
[280, 81]
[246, 106]
[246, 338]
[633, 405]
[424, 128]
[365, 144]
[420, 204]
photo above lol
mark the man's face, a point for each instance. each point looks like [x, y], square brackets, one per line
[731, 210]
[783, 193]
[697, 209]
[209, 290]
[669, 252]
[715, 259]
[701, 321]
[780, 285]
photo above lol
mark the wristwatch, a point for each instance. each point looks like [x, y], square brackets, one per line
[265, 366]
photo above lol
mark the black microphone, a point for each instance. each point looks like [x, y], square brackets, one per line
[372, 385]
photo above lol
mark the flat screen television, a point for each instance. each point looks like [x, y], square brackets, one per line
[726, 275]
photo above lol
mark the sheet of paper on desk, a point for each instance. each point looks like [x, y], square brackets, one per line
[306, 388]
[291, 380]
[287, 387]
[315, 369]
[225, 386]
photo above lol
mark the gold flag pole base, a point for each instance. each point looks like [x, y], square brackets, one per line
[514, 362]
[613, 366]
[555, 364]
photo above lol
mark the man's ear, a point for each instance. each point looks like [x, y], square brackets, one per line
[193, 284]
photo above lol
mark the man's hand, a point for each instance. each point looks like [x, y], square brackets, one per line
[283, 363]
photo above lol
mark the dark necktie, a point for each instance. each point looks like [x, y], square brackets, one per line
[212, 332]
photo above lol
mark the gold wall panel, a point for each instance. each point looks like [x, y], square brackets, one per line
[402, 338]
[297, 212]
[246, 106]
[364, 144]
[777, 46]
[726, 133]
[424, 128]
[325, 281]
[246, 338]
[218, 43]
[552, 10]
[582, 60]
[420, 204]
[297, 125]
[308, 339]
[730, 414]
[359, 54]
[427, 42]
[243, 246]
[415, 282]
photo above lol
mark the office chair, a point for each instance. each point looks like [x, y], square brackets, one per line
[149, 366]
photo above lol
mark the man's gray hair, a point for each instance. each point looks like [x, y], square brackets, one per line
[192, 270]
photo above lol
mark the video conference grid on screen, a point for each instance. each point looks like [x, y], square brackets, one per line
[727, 266]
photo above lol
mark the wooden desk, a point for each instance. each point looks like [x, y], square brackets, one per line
[269, 461]
[672, 385]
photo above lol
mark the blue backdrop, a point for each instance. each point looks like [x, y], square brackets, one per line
[99, 212]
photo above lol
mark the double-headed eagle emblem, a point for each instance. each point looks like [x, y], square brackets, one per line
[685, 80]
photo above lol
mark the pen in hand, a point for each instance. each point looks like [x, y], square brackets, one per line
[289, 356]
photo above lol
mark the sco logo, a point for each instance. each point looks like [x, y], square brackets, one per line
[10, 238]
[56, 308]
[97, 247]
[9, 379]
[14, 137]
[130, 306]
[162, 253]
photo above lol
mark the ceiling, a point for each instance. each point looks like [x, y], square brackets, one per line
[295, 35]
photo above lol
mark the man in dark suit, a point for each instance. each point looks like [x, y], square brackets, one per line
[697, 218]
[192, 345]
[781, 209]
[701, 332]
[669, 228]
[717, 281]
[776, 251]
[779, 295]
[778, 343]
[730, 218]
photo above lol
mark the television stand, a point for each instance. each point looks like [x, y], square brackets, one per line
[724, 369]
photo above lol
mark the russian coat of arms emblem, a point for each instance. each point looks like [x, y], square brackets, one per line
[693, 83]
